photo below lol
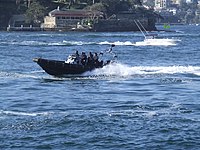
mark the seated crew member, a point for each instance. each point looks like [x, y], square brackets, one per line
[96, 59]
[77, 57]
[97, 63]
[90, 59]
[83, 58]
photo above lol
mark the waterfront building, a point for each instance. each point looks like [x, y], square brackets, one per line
[192, 1]
[161, 4]
[176, 2]
[67, 19]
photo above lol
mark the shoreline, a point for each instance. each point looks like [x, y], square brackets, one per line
[38, 29]
[171, 23]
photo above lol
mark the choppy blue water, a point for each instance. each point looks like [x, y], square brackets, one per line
[150, 99]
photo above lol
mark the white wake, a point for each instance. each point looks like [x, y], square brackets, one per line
[146, 42]
[118, 69]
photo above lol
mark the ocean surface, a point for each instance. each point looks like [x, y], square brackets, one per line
[148, 99]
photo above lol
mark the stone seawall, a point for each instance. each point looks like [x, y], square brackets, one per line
[119, 25]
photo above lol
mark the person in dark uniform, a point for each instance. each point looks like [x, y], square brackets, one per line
[90, 59]
[83, 59]
[77, 57]
[96, 60]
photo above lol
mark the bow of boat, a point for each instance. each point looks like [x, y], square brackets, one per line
[36, 59]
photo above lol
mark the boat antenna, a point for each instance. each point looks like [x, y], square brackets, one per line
[110, 51]
[139, 28]
[143, 27]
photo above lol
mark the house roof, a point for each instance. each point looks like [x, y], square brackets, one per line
[58, 12]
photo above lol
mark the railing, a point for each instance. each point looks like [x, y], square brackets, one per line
[24, 28]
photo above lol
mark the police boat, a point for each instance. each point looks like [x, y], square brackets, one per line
[70, 66]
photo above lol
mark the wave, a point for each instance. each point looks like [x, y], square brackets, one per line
[120, 109]
[127, 43]
[33, 74]
[112, 71]
[39, 74]
[122, 70]
[78, 43]
[17, 113]
[44, 43]
[75, 43]
[107, 35]
[63, 43]
[161, 34]
[157, 42]
[129, 112]
[30, 43]
[149, 42]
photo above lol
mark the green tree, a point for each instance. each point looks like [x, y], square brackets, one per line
[96, 7]
[135, 2]
[149, 3]
[27, 2]
[189, 18]
[35, 13]
[112, 6]
[7, 9]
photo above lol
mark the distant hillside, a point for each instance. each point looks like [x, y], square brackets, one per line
[109, 7]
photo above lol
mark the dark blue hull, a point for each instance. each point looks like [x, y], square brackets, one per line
[60, 68]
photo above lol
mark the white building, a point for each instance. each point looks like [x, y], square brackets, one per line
[191, 1]
[172, 10]
[69, 18]
[177, 2]
[162, 4]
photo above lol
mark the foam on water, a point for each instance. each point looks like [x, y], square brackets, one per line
[17, 113]
[34, 43]
[33, 74]
[134, 110]
[48, 43]
[118, 69]
[112, 70]
[78, 43]
[158, 42]
[151, 42]
[127, 43]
